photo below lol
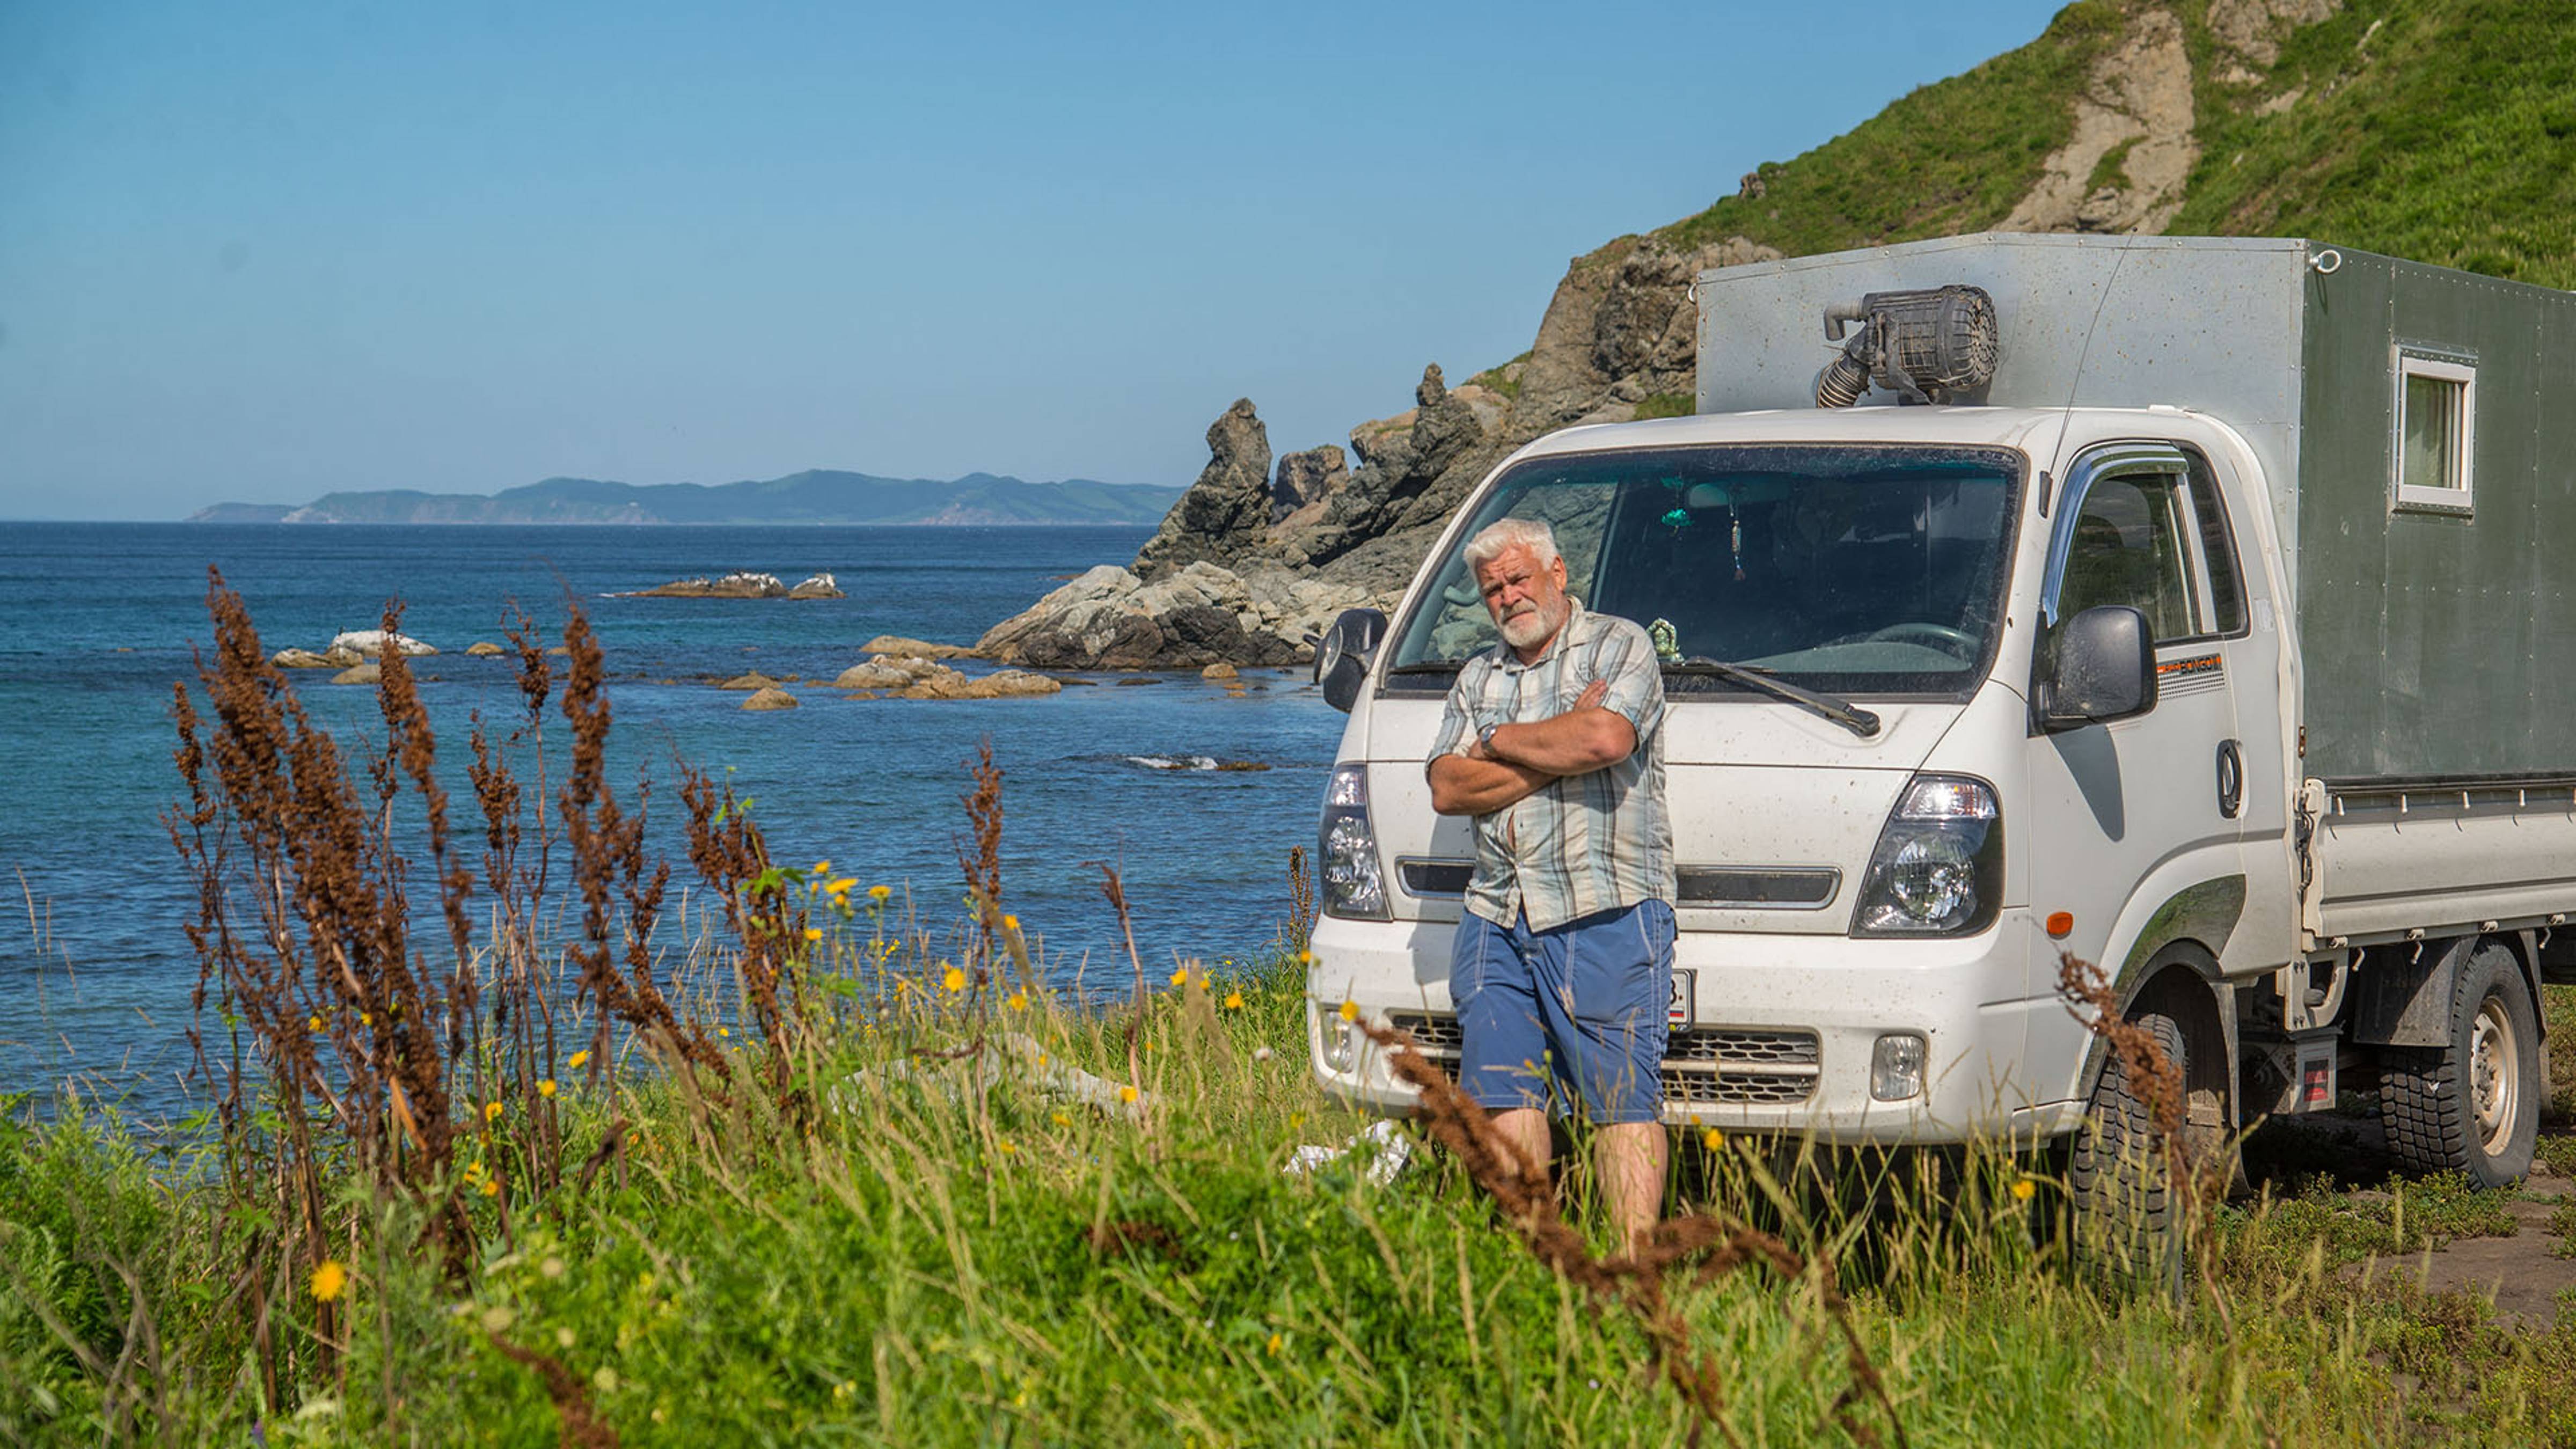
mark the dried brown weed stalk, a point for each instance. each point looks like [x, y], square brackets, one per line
[1635, 1280]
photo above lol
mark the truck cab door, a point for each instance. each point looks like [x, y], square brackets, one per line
[2136, 827]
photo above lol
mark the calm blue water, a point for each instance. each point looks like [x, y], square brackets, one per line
[98, 620]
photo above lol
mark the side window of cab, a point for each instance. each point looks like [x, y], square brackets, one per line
[2150, 531]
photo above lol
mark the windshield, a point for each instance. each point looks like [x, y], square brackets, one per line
[1854, 570]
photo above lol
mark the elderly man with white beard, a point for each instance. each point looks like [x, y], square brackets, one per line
[1562, 965]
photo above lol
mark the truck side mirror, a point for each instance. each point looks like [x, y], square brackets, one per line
[1343, 655]
[2102, 668]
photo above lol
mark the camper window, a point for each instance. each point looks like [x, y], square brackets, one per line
[2435, 438]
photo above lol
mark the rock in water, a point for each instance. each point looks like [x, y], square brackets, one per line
[1012, 683]
[875, 674]
[1219, 670]
[303, 659]
[1225, 513]
[755, 680]
[483, 647]
[731, 586]
[901, 647]
[368, 643]
[358, 674]
[770, 697]
[820, 586]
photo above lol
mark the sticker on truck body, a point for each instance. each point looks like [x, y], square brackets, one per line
[1678, 1013]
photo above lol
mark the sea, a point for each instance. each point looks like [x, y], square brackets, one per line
[99, 622]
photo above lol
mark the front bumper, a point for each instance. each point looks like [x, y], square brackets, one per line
[1783, 1029]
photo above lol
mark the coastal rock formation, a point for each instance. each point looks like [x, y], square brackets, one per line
[1306, 479]
[875, 674]
[755, 680]
[1227, 510]
[819, 586]
[307, 659]
[358, 674]
[770, 697]
[1111, 619]
[484, 648]
[370, 643]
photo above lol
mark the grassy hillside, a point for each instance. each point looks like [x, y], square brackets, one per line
[2439, 130]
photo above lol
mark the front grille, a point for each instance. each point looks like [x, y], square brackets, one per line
[1719, 1064]
[1789, 888]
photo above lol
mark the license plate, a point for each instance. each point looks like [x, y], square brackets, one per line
[1679, 1011]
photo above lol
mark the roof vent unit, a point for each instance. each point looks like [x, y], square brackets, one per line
[1937, 345]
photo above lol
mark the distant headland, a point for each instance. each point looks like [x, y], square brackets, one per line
[814, 496]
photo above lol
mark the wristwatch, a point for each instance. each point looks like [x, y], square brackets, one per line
[1485, 737]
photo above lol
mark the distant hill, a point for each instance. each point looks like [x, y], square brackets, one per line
[814, 496]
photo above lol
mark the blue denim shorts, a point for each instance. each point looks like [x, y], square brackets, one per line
[1573, 1014]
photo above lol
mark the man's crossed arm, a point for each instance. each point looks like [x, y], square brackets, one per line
[1523, 758]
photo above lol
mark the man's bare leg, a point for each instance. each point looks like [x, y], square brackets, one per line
[1526, 1129]
[1629, 1157]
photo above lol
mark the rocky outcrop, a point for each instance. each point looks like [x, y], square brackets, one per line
[899, 678]
[307, 659]
[1305, 480]
[483, 648]
[770, 697]
[1111, 619]
[818, 586]
[2123, 170]
[359, 674]
[755, 680]
[1225, 512]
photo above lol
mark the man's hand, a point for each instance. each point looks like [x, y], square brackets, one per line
[1525, 757]
[1583, 739]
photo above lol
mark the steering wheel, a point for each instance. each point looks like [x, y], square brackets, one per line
[1956, 642]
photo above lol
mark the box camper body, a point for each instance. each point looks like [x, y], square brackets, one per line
[2211, 628]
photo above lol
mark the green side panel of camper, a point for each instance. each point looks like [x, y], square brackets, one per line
[2438, 635]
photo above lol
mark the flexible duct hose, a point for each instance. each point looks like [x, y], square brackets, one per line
[1841, 383]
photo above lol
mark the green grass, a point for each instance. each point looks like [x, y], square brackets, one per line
[2447, 136]
[928, 1266]
[1667, 405]
[1947, 158]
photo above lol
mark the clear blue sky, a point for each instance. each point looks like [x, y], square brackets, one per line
[263, 251]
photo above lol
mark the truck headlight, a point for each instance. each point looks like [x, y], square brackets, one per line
[1353, 885]
[1939, 867]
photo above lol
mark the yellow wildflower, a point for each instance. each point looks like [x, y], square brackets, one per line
[1062, 1120]
[328, 1280]
[314, 1023]
[365, 1020]
[1277, 1343]
[579, 1059]
[1234, 1001]
[1305, 958]
[1180, 976]
[1126, 1094]
[822, 867]
[1007, 1147]
[813, 933]
[955, 980]
[880, 893]
[1350, 1011]
[546, 1087]
[1019, 1001]
[491, 1187]
[724, 1031]
[1010, 923]
[842, 886]
[491, 1111]
[2022, 1189]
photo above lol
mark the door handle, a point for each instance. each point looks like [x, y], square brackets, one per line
[2231, 779]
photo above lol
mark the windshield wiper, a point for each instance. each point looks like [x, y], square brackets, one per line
[1434, 667]
[1842, 712]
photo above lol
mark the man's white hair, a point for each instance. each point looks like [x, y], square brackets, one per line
[1502, 535]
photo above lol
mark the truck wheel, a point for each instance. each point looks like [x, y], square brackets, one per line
[2117, 1175]
[2473, 1106]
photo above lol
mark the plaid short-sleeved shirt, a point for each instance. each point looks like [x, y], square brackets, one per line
[1584, 843]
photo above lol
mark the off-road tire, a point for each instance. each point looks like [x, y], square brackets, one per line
[2117, 1175]
[2472, 1106]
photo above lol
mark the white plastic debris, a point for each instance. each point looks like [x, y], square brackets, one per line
[1016, 1057]
[1388, 1153]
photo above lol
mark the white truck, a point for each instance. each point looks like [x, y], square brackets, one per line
[2201, 607]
